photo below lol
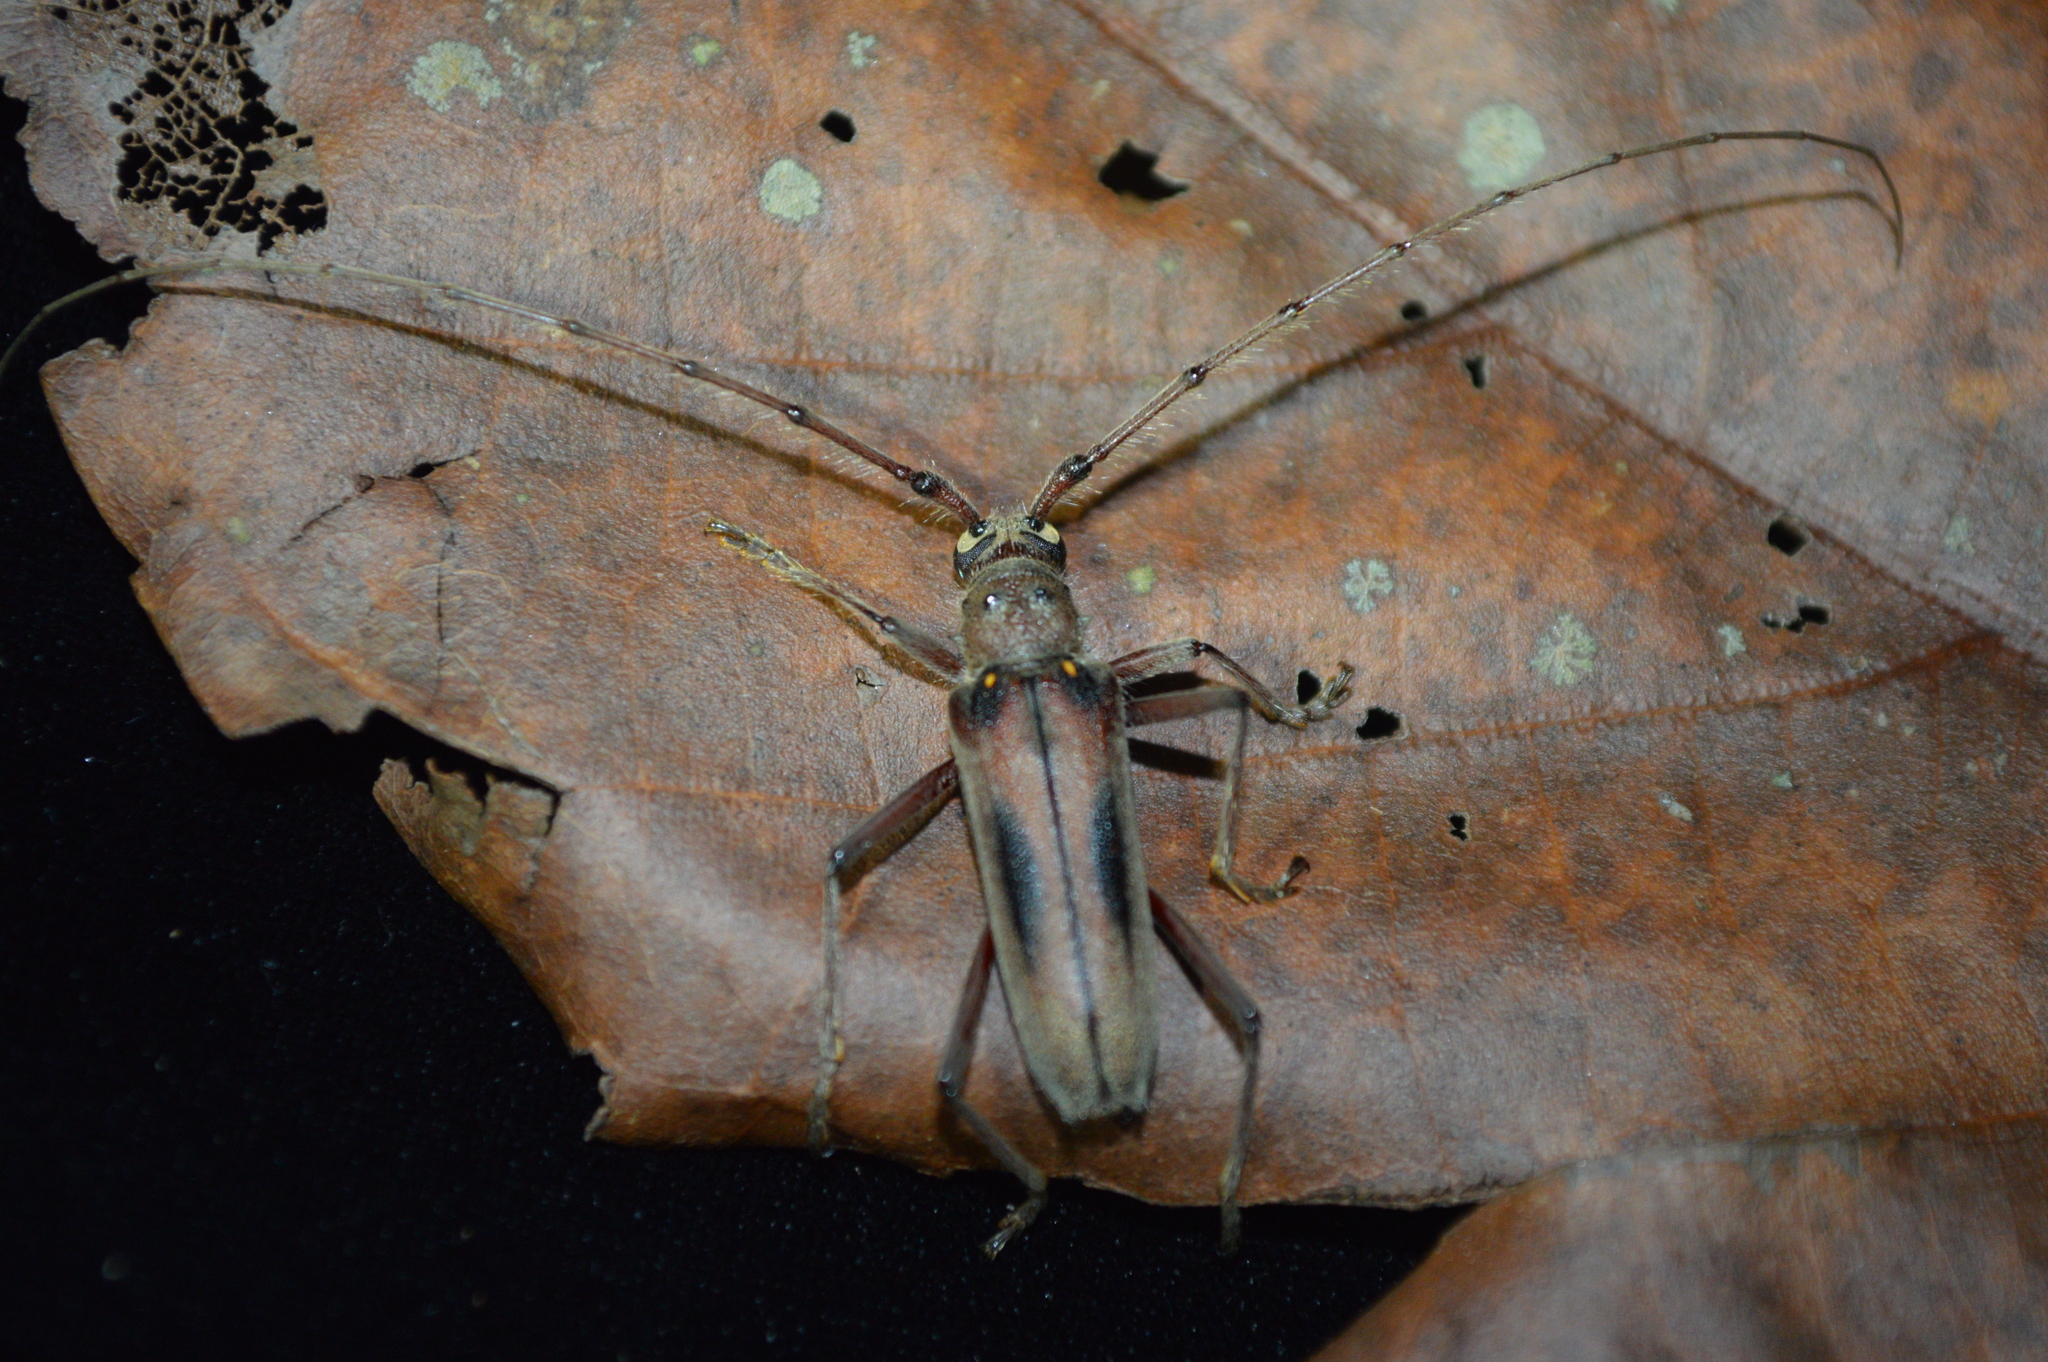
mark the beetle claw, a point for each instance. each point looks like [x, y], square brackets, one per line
[1336, 689]
[1015, 1223]
[1259, 893]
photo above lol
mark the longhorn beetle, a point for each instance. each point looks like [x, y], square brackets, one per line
[1037, 729]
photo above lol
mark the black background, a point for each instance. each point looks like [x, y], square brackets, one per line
[269, 1091]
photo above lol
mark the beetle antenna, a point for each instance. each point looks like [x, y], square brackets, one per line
[922, 481]
[1072, 470]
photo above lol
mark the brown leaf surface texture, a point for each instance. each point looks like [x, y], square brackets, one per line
[1907, 1246]
[1677, 837]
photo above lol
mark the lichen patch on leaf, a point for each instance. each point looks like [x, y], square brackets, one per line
[1565, 651]
[446, 68]
[790, 192]
[1502, 145]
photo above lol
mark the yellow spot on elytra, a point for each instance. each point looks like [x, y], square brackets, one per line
[1067, 666]
[988, 680]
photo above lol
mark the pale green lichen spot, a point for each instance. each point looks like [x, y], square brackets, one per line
[238, 530]
[1667, 6]
[860, 50]
[790, 192]
[1365, 581]
[1783, 781]
[1674, 808]
[1956, 538]
[1731, 640]
[1565, 651]
[1141, 580]
[444, 68]
[1502, 145]
[704, 50]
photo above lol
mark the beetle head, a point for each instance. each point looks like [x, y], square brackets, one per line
[1014, 534]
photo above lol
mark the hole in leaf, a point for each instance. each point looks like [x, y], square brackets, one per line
[838, 124]
[201, 132]
[1134, 172]
[1812, 612]
[1414, 310]
[1475, 365]
[1461, 827]
[1306, 684]
[1379, 723]
[1787, 535]
[421, 469]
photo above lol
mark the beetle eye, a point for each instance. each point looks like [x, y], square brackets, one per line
[1042, 530]
[976, 532]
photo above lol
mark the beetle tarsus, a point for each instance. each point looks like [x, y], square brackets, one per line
[1221, 871]
[1335, 690]
[1016, 1222]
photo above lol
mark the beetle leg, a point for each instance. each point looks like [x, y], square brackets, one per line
[1185, 652]
[1215, 981]
[908, 637]
[1223, 856]
[874, 841]
[1185, 704]
[952, 1085]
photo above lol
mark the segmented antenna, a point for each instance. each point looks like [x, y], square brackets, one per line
[921, 481]
[1072, 470]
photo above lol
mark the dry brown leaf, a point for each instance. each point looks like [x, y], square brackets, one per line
[1718, 880]
[1925, 1245]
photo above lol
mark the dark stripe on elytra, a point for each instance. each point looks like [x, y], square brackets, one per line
[1059, 827]
[1023, 895]
[1108, 839]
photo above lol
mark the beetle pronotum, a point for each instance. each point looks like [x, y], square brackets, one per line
[1037, 730]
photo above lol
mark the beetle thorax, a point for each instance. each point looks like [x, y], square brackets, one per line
[1017, 610]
